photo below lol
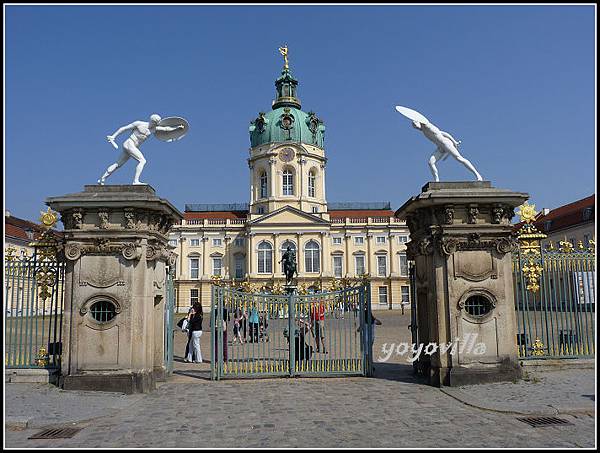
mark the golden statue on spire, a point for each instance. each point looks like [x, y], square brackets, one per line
[284, 52]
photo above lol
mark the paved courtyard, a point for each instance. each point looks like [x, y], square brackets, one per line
[393, 409]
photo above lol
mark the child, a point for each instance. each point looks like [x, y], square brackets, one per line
[237, 322]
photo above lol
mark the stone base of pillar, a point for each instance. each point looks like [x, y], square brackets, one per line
[134, 382]
[459, 376]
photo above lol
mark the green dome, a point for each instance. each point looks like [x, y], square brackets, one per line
[286, 122]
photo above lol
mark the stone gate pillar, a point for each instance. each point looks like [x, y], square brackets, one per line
[117, 251]
[462, 243]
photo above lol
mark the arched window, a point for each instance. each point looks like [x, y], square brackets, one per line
[283, 249]
[263, 184]
[312, 258]
[288, 182]
[312, 184]
[265, 258]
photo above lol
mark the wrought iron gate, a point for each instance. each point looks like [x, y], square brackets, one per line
[33, 304]
[554, 295]
[279, 333]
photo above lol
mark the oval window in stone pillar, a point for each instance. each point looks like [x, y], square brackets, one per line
[101, 310]
[477, 304]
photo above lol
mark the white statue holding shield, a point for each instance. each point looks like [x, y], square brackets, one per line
[446, 144]
[167, 129]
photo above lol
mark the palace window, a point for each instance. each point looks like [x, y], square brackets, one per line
[315, 210]
[263, 185]
[173, 242]
[217, 242]
[359, 240]
[288, 182]
[260, 210]
[194, 242]
[239, 242]
[337, 266]
[359, 264]
[283, 249]
[383, 295]
[337, 241]
[312, 183]
[194, 267]
[217, 265]
[239, 266]
[265, 258]
[405, 294]
[402, 239]
[380, 239]
[381, 265]
[312, 257]
[194, 296]
[403, 265]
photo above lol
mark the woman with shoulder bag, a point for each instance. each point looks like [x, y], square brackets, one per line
[195, 332]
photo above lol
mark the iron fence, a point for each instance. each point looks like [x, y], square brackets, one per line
[319, 334]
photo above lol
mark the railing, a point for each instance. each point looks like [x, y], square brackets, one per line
[33, 307]
[555, 297]
[205, 222]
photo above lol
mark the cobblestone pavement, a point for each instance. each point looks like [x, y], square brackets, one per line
[391, 410]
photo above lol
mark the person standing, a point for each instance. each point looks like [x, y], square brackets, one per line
[317, 317]
[195, 329]
[254, 321]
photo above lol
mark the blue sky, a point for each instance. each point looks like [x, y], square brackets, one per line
[515, 84]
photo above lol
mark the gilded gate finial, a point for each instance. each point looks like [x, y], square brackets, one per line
[48, 218]
[527, 212]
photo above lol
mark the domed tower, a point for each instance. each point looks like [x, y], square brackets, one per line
[287, 158]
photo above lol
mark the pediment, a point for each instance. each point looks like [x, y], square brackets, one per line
[289, 215]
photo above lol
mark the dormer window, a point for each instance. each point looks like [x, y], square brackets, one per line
[587, 214]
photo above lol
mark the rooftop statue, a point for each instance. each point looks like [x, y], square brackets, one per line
[167, 129]
[446, 143]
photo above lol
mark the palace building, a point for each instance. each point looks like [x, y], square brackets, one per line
[288, 207]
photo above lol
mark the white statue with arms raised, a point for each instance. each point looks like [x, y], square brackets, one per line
[446, 143]
[141, 130]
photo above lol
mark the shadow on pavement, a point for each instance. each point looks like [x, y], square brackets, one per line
[397, 372]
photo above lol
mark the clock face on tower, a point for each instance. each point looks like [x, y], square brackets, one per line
[286, 154]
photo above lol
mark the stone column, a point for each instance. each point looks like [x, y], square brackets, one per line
[116, 246]
[461, 242]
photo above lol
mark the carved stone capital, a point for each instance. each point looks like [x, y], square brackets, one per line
[131, 251]
[505, 245]
[73, 250]
[448, 246]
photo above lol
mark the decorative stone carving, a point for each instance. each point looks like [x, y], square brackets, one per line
[497, 214]
[130, 220]
[448, 215]
[472, 214]
[509, 213]
[425, 246]
[103, 217]
[73, 251]
[77, 217]
[131, 251]
[505, 245]
[413, 223]
[448, 245]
